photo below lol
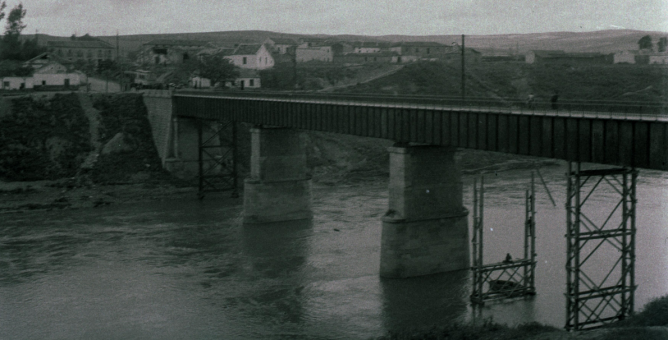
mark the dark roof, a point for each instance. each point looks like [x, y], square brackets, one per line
[42, 58]
[178, 42]
[371, 44]
[78, 44]
[283, 41]
[548, 53]
[247, 49]
[418, 44]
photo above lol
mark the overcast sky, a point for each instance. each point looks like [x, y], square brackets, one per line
[366, 17]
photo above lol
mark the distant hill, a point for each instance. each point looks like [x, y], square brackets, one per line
[599, 41]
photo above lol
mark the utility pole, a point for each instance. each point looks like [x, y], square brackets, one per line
[463, 70]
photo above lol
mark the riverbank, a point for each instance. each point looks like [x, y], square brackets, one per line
[649, 324]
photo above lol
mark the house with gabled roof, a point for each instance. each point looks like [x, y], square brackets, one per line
[252, 56]
[53, 72]
[92, 51]
[280, 45]
[171, 51]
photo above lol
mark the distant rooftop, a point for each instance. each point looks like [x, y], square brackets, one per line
[247, 49]
[178, 42]
[418, 44]
[78, 44]
[283, 41]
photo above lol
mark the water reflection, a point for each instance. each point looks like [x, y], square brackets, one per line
[276, 254]
[425, 301]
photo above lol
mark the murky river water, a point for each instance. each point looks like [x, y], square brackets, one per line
[189, 270]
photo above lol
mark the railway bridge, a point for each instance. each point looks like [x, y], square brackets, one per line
[425, 229]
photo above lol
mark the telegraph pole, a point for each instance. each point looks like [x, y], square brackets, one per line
[463, 71]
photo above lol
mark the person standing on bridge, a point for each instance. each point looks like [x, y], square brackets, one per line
[554, 99]
[530, 101]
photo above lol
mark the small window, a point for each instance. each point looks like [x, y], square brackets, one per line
[5, 84]
[43, 82]
[244, 61]
[428, 50]
[252, 83]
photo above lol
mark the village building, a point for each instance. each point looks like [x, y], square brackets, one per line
[341, 47]
[252, 56]
[537, 56]
[17, 83]
[624, 57]
[170, 51]
[558, 56]
[370, 47]
[248, 79]
[658, 58]
[365, 58]
[280, 45]
[50, 72]
[312, 52]
[421, 49]
[92, 51]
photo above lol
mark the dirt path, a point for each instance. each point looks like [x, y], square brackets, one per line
[93, 116]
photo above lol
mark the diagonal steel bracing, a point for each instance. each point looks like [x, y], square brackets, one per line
[217, 157]
[594, 296]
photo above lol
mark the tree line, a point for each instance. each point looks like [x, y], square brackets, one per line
[13, 49]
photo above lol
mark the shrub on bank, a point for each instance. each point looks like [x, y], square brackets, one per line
[43, 138]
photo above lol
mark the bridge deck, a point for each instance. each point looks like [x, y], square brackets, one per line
[616, 137]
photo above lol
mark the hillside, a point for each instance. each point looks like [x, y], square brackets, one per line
[598, 41]
[515, 80]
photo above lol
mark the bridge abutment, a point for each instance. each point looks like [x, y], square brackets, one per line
[278, 188]
[425, 230]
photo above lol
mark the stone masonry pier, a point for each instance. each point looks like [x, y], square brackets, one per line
[425, 229]
[278, 188]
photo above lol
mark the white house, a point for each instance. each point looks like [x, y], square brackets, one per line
[200, 82]
[658, 58]
[248, 79]
[252, 56]
[60, 80]
[17, 83]
[307, 52]
[624, 57]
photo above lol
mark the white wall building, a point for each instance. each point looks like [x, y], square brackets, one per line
[57, 79]
[321, 53]
[252, 56]
[624, 57]
[17, 83]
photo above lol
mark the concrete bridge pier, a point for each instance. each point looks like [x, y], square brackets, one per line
[278, 188]
[425, 230]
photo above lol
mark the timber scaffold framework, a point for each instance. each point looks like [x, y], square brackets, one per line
[594, 298]
[217, 156]
[509, 278]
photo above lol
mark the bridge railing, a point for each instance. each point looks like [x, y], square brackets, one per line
[593, 108]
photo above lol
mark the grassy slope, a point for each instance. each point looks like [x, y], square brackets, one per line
[515, 80]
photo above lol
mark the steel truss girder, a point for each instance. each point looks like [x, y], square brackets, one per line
[592, 302]
[217, 158]
[507, 279]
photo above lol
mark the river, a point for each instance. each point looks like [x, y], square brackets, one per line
[190, 270]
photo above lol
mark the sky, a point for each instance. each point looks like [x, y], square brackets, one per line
[360, 17]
